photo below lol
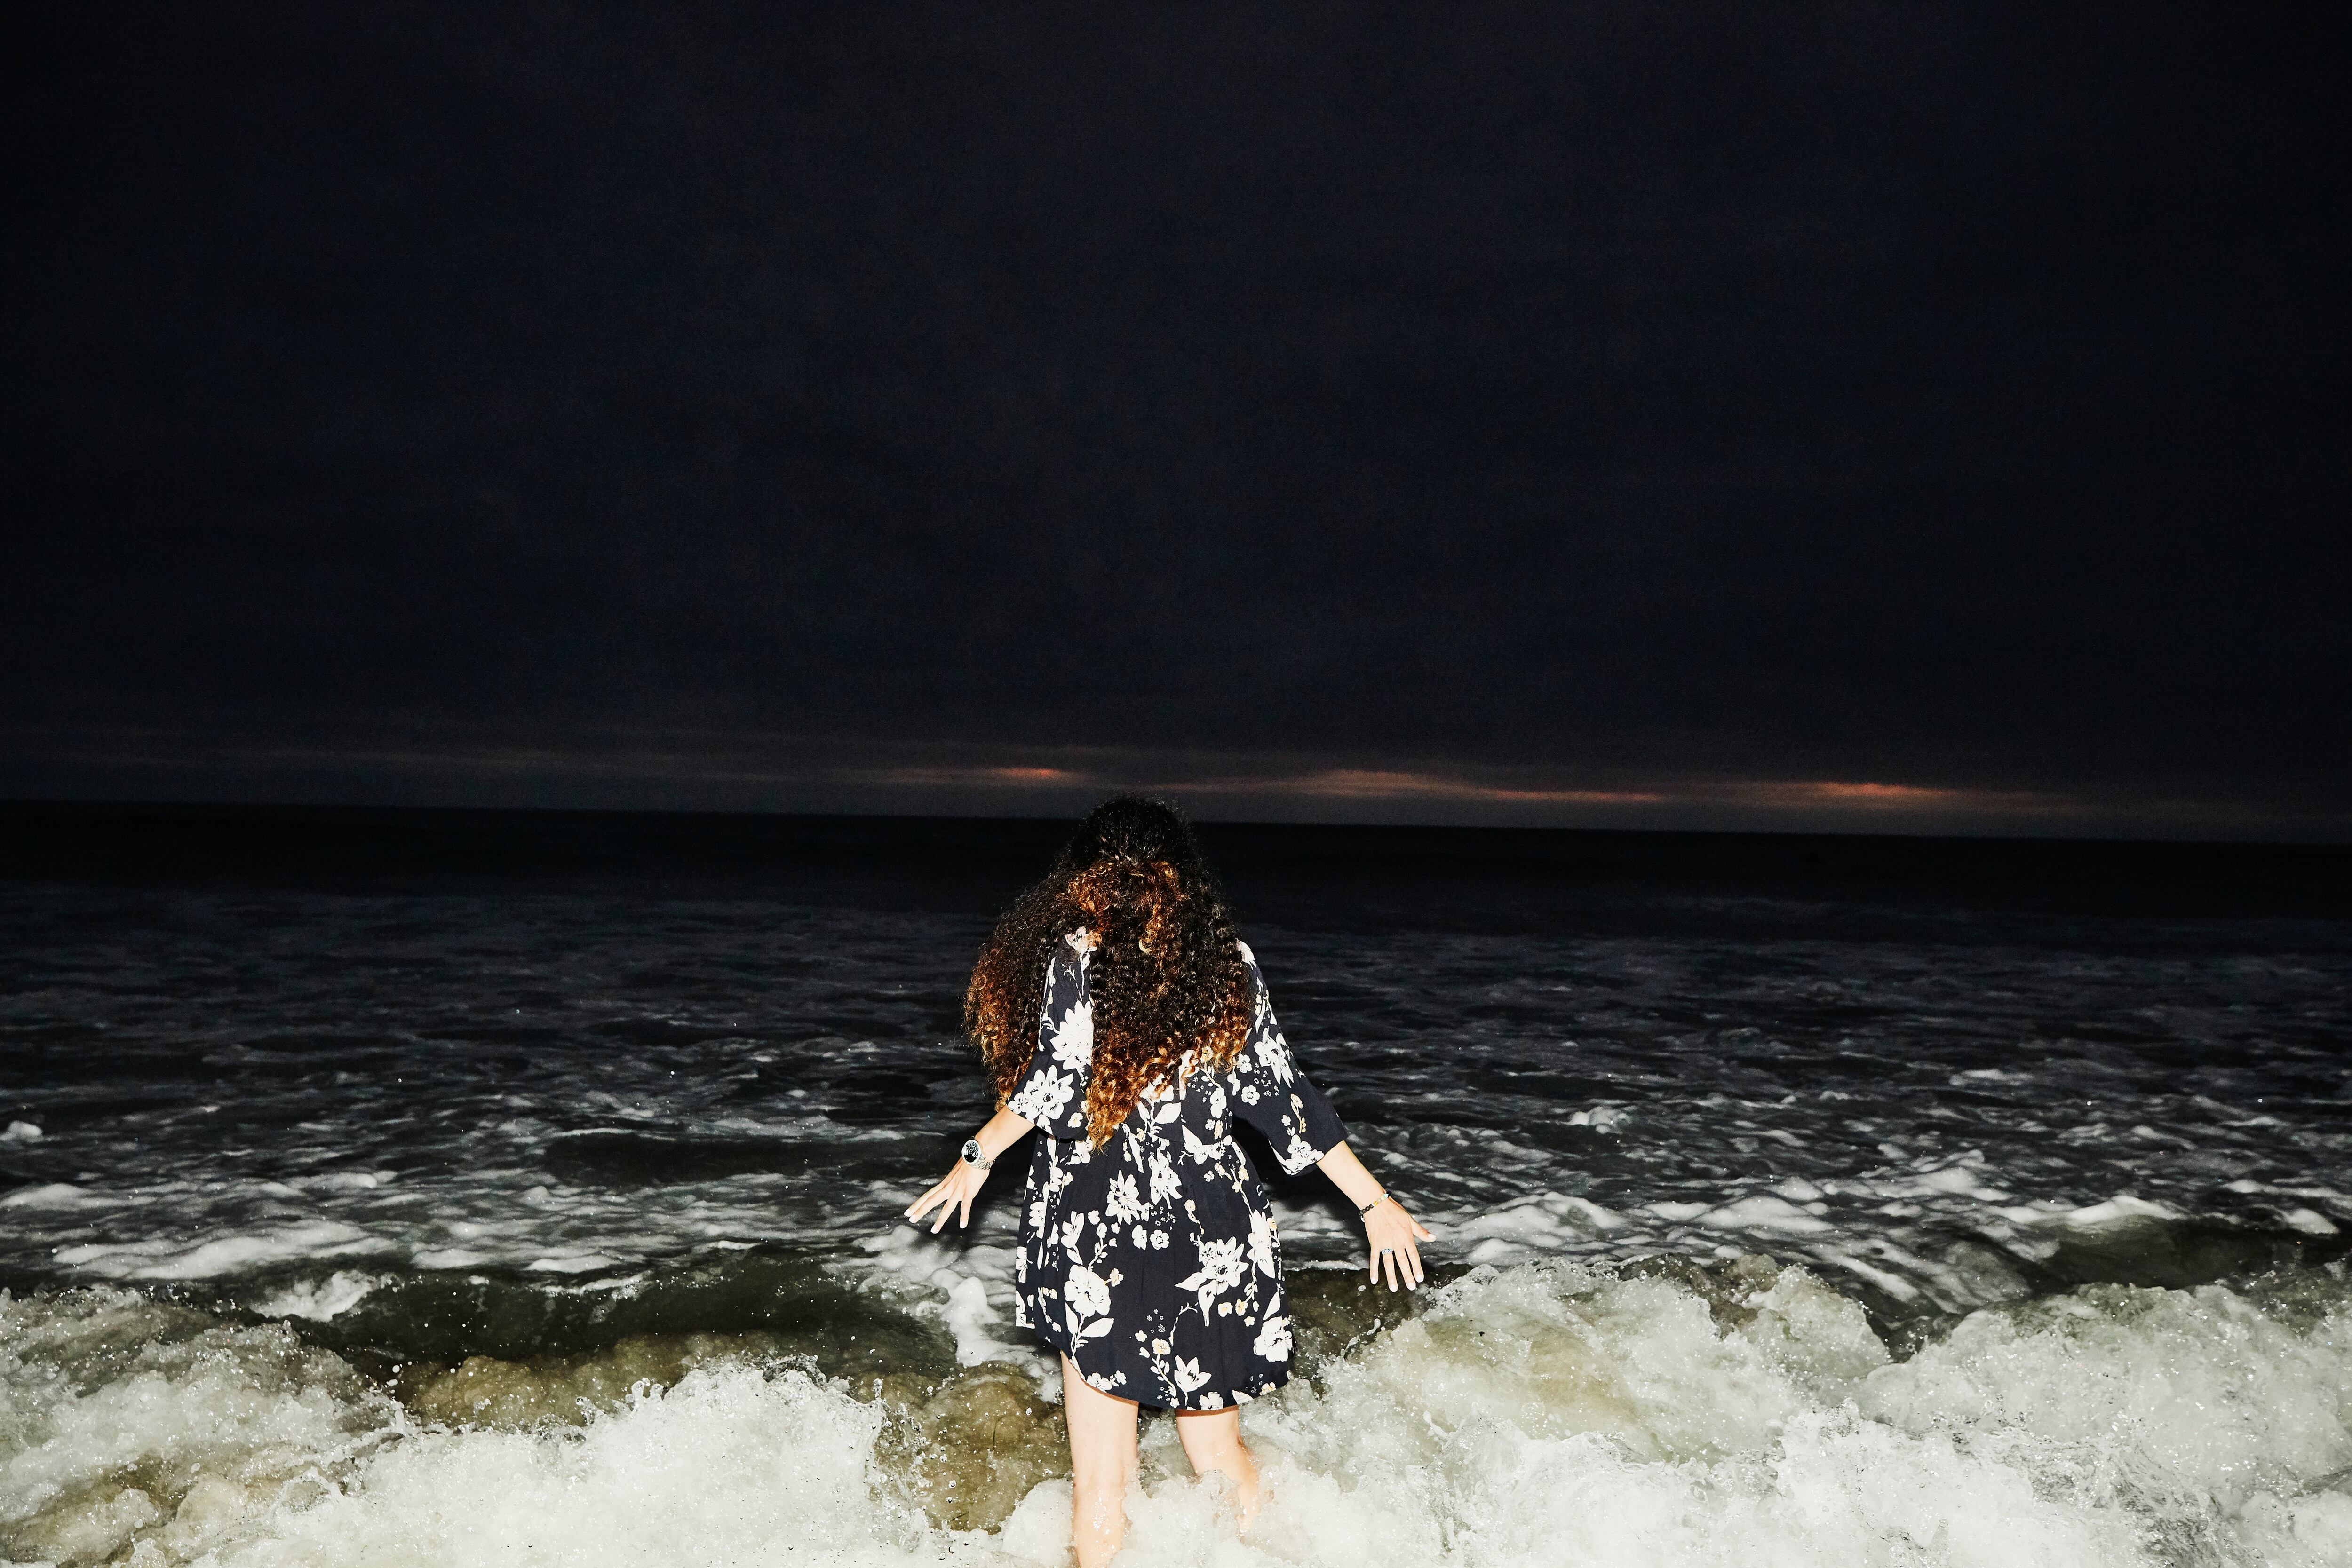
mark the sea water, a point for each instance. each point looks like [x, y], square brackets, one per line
[505, 1206]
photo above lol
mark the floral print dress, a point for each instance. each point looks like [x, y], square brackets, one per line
[1151, 1262]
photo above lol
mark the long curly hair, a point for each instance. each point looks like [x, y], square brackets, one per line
[1167, 978]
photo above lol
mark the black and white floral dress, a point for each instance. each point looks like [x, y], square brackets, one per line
[1152, 1262]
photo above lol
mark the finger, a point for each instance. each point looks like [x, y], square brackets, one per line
[1396, 1282]
[915, 1210]
[1412, 1264]
[1372, 1261]
[963, 1214]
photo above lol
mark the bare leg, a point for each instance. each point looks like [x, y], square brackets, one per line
[1212, 1441]
[1102, 1464]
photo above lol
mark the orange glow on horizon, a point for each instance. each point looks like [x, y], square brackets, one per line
[1873, 795]
[1836, 791]
[1378, 784]
[1336, 784]
[1015, 778]
[1371, 784]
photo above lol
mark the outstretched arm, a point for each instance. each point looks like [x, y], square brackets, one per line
[1065, 1038]
[1277, 1099]
[954, 1195]
[1388, 1231]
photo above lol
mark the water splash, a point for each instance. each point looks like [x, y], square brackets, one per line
[1741, 1413]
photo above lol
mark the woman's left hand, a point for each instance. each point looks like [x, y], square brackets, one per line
[953, 1196]
[1389, 1235]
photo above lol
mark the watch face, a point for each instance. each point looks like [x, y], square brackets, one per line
[971, 1151]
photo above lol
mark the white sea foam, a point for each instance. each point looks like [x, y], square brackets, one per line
[2119, 1209]
[571, 1264]
[122, 1419]
[1532, 1414]
[727, 1467]
[56, 1195]
[966, 1285]
[1537, 1225]
[320, 1301]
[974, 1321]
[218, 1256]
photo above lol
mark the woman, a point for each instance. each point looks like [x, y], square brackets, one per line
[1115, 1007]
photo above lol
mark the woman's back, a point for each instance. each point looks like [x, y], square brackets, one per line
[1151, 1262]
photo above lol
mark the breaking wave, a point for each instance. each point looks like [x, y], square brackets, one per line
[1737, 1413]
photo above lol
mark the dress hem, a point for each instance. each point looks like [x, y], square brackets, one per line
[1183, 1405]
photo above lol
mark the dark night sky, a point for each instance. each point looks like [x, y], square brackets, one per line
[1550, 413]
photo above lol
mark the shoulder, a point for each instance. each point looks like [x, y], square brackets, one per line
[1256, 975]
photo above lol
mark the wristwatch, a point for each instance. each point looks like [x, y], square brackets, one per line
[972, 1156]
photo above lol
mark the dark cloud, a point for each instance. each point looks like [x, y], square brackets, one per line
[1947, 396]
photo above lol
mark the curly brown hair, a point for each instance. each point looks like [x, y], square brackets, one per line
[1167, 976]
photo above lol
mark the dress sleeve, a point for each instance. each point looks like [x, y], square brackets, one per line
[1271, 1094]
[1051, 1092]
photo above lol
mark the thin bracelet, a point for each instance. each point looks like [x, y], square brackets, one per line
[1373, 1205]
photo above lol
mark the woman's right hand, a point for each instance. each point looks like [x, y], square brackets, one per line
[1390, 1234]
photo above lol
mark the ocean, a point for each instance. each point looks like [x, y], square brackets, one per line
[387, 1188]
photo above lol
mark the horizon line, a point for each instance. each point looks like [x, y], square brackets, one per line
[257, 806]
[701, 772]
